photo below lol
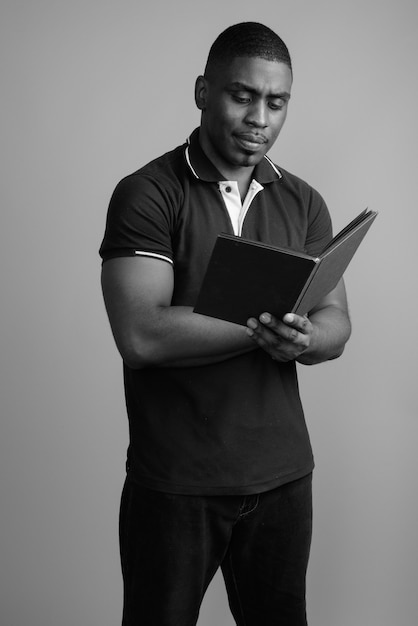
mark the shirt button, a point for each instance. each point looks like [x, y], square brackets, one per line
[228, 189]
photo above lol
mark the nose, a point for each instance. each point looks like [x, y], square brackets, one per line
[257, 114]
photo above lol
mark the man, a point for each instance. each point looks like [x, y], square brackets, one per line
[219, 462]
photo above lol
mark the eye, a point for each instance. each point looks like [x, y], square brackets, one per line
[276, 105]
[241, 97]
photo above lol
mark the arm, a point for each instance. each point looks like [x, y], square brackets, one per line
[149, 332]
[319, 338]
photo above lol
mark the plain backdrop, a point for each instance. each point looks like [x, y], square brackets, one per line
[90, 91]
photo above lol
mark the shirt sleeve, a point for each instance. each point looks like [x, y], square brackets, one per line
[139, 220]
[319, 232]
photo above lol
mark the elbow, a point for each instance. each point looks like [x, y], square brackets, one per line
[329, 353]
[343, 341]
[139, 359]
[133, 360]
[339, 349]
[337, 353]
[138, 354]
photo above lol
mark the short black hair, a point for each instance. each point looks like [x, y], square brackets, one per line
[247, 39]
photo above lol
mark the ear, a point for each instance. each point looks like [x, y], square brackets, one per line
[200, 92]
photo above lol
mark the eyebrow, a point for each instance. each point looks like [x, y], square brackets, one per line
[282, 95]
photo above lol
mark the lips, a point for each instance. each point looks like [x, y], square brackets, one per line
[252, 138]
[250, 143]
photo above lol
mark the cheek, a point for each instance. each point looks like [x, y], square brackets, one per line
[219, 121]
[228, 116]
[277, 125]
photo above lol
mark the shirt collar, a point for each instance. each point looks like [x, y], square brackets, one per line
[202, 168]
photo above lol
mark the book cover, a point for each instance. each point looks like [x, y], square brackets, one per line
[244, 278]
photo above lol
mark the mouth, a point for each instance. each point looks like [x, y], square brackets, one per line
[251, 141]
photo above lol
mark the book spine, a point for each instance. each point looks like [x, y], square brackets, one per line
[299, 302]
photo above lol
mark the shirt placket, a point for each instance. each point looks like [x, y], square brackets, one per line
[238, 210]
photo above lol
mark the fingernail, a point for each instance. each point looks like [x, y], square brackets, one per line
[252, 323]
[265, 318]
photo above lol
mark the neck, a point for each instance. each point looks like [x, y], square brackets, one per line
[242, 174]
[244, 180]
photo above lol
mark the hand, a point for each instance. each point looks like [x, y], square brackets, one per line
[283, 340]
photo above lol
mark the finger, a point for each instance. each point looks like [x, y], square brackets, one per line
[262, 335]
[301, 323]
[272, 323]
[252, 327]
[278, 328]
[252, 323]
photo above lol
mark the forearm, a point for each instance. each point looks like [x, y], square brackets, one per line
[149, 332]
[177, 337]
[331, 331]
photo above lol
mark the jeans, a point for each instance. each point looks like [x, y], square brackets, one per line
[172, 545]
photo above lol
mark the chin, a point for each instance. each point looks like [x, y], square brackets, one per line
[250, 160]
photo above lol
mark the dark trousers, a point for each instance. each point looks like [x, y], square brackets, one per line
[172, 545]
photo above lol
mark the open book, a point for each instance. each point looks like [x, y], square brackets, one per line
[245, 278]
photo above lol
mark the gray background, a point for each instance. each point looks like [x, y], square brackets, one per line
[91, 90]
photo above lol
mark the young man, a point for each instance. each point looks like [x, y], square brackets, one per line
[219, 462]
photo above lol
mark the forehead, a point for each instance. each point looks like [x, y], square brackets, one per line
[257, 73]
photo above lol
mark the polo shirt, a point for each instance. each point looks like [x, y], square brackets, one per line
[235, 427]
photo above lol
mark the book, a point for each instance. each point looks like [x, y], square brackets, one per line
[245, 278]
